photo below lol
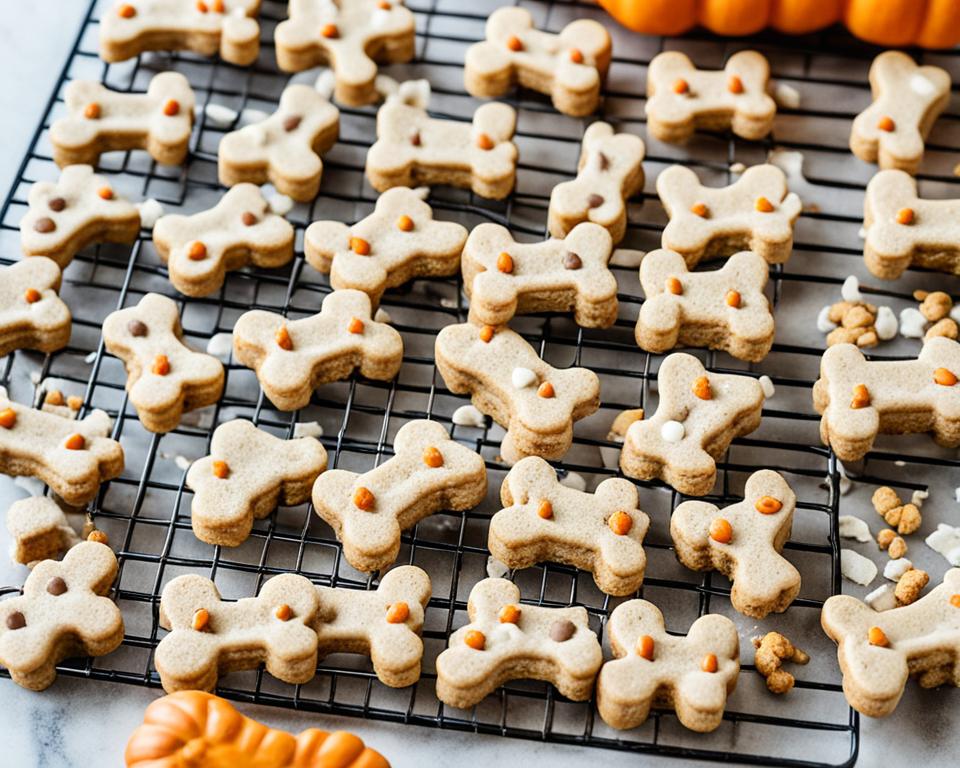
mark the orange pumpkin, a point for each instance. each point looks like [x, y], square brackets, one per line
[927, 23]
[191, 729]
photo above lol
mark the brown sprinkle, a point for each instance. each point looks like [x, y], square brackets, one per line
[137, 328]
[906, 216]
[75, 442]
[405, 223]
[221, 469]
[484, 142]
[475, 639]
[546, 390]
[572, 261]
[201, 619]
[861, 397]
[161, 365]
[249, 218]
[733, 299]
[763, 205]
[562, 630]
[432, 457]
[594, 201]
[702, 389]
[886, 123]
[721, 531]
[735, 84]
[645, 647]
[486, 333]
[363, 499]
[292, 123]
[545, 510]
[16, 620]
[284, 612]
[282, 337]
[197, 251]
[171, 108]
[56, 204]
[359, 246]
[8, 417]
[356, 325]
[505, 263]
[415, 138]
[31, 295]
[92, 111]
[398, 612]
[44, 225]
[509, 614]
[56, 586]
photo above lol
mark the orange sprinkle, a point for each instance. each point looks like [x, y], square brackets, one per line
[54, 397]
[906, 216]
[699, 209]
[202, 6]
[284, 612]
[475, 639]
[486, 333]
[645, 647]
[735, 84]
[709, 663]
[8, 417]
[197, 251]
[576, 56]
[721, 531]
[201, 618]
[509, 614]
[876, 636]
[763, 205]
[363, 499]
[75, 442]
[282, 337]
[432, 457]
[221, 469]
[405, 223]
[99, 536]
[620, 523]
[674, 286]
[767, 505]
[702, 389]
[546, 390]
[32, 295]
[383, 5]
[105, 193]
[92, 111]
[126, 11]
[218, 6]
[74, 402]
[359, 246]
[733, 299]
[955, 601]
[161, 365]
[514, 43]
[330, 30]
[545, 510]
[398, 612]
[886, 123]
[356, 325]
[861, 396]
[944, 377]
[484, 142]
[681, 87]
[171, 108]
[505, 263]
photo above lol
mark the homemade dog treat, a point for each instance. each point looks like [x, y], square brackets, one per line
[507, 380]
[227, 27]
[693, 675]
[569, 67]
[247, 474]
[744, 542]
[878, 651]
[384, 623]
[682, 98]
[429, 472]
[721, 309]
[610, 172]
[503, 277]
[859, 399]
[238, 231]
[601, 532]
[165, 378]
[351, 37]
[72, 456]
[398, 242]
[77, 210]
[903, 230]
[100, 120]
[38, 530]
[698, 416]
[32, 315]
[414, 149]
[209, 637]
[63, 612]
[907, 100]
[755, 213]
[293, 358]
[508, 641]
[285, 148]
[773, 649]
[179, 728]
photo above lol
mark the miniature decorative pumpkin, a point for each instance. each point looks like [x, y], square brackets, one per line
[192, 729]
[927, 23]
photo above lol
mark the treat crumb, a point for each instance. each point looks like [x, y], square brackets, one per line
[773, 649]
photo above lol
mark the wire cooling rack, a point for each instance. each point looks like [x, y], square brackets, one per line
[146, 511]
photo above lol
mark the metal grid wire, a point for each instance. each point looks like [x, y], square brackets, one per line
[146, 512]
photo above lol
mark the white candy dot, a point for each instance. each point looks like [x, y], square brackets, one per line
[886, 324]
[220, 346]
[883, 598]
[150, 211]
[824, 323]
[894, 569]
[856, 567]
[627, 257]
[523, 377]
[220, 115]
[468, 416]
[851, 527]
[280, 204]
[307, 429]
[912, 323]
[851, 290]
[672, 431]
[766, 384]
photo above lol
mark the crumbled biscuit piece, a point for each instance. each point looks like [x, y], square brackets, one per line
[885, 537]
[856, 324]
[897, 548]
[910, 585]
[935, 306]
[624, 419]
[905, 518]
[920, 294]
[772, 650]
[944, 327]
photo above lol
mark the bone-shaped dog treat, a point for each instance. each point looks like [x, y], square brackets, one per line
[503, 277]
[100, 120]
[285, 148]
[32, 315]
[351, 36]
[904, 230]
[508, 641]
[292, 358]
[601, 532]
[396, 243]
[165, 378]
[569, 67]
[698, 416]
[878, 651]
[247, 474]
[755, 213]
[62, 612]
[384, 623]
[860, 399]
[72, 456]
[39, 530]
[428, 472]
[609, 173]
[77, 210]
[682, 98]
[721, 309]
[238, 231]
[907, 101]
[692, 675]
[209, 637]
[743, 542]
[207, 27]
[538, 415]
[414, 149]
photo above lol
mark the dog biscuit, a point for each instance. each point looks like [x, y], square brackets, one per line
[32, 315]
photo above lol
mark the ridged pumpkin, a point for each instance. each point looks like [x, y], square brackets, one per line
[926, 23]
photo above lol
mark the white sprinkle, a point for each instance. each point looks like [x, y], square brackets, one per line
[918, 497]
[854, 528]
[522, 378]
[35, 377]
[946, 541]
[627, 257]
[90, 358]
[150, 211]
[786, 96]
[862, 233]
[449, 303]
[899, 463]
[249, 116]
[766, 384]
[737, 168]
[219, 115]
[220, 346]
[326, 84]
[894, 569]
[30, 484]
[922, 85]
[846, 484]
[307, 429]
[280, 204]
[382, 316]
[672, 431]
[912, 323]
[955, 312]
[496, 569]
[824, 323]
[850, 290]
[883, 598]
[886, 324]
[468, 416]
[856, 567]
[416, 93]
[574, 480]
[182, 462]
[256, 133]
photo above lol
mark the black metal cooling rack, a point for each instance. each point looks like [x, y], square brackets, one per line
[146, 511]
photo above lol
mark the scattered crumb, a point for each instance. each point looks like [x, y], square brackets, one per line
[786, 96]
[627, 257]
[910, 586]
[824, 323]
[946, 541]
[150, 211]
[382, 316]
[862, 233]
[182, 462]
[918, 497]
[574, 480]
[737, 168]
[773, 649]
[89, 359]
[857, 568]
[854, 528]
[220, 346]
[469, 416]
[496, 569]
[220, 115]
[850, 290]
[894, 569]
[905, 518]
[886, 324]
[882, 598]
[326, 83]
[280, 204]
[307, 429]
[912, 323]
[766, 384]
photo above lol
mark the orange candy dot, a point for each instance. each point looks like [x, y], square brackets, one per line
[620, 523]
[284, 612]
[75, 442]
[674, 286]
[505, 263]
[545, 510]
[92, 111]
[886, 123]
[861, 396]
[218, 6]
[546, 390]
[221, 469]
[161, 365]
[330, 30]
[282, 337]
[31, 295]
[876, 636]
[126, 11]
[8, 417]
[763, 205]
[356, 325]
[484, 142]
[383, 5]
[486, 333]
[576, 56]
[359, 246]
[202, 6]
[201, 618]
[767, 505]
[733, 299]
[906, 216]
[645, 647]
[681, 86]
[398, 612]
[405, 223]
[735, 84]
[105, 193]
[363, 499]
[432, 457]
[54, 397]
[955, 601]
[197, 251]
[702, 389]
[709, 663]
[514, 43]
[171, 108]
[509, 614]
[475, 639]
[721, 531]
[944, 377]
[699, 209]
